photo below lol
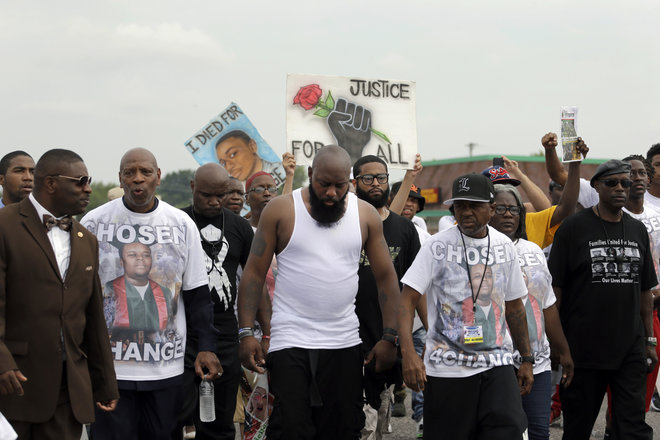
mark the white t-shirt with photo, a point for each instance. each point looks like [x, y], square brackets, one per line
[463, 340]
[177, 264]
[539, 297]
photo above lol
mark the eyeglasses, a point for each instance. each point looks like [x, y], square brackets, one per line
[368, 179]
[263, 189]
[501, 210]
[80, 181]
[625, 183]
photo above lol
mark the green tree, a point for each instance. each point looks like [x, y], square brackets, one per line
[175, 188]
[300, 177]
[99, 194]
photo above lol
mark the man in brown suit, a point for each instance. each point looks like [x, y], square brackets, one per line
[55, 358]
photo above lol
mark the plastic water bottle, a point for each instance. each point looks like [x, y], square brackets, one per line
[206, 401]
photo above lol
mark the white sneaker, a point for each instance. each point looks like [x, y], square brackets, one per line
[420, 428]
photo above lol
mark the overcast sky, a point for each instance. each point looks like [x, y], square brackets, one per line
[101, 77]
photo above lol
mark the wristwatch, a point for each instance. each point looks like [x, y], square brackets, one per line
[393, 339]
[651, 341]
[529, 359]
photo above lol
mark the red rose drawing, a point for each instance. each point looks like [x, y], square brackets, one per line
[308, 96]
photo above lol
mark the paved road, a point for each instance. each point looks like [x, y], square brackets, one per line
[404, 428]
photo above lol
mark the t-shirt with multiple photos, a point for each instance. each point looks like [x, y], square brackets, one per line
[463, 340]
[601, 267]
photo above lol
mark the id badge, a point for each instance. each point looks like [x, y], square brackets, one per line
[473, 334]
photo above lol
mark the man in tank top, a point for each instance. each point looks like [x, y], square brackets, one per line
[314, 359]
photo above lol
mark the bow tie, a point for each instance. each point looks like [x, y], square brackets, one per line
[64, 223]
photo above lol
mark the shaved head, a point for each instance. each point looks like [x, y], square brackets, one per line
[332, 155]
[138, 154]
[211, 172]
[209, 185]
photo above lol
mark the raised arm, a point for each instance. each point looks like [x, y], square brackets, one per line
[553, 165]
[569, 196]
[289, 164]
[251, 287]
[399, 201]
[535, 194]
[387, 283]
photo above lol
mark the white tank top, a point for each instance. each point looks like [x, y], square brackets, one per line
[316, 284]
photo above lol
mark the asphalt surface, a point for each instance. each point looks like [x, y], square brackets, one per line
[403, 428]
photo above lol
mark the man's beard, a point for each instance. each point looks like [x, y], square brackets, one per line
[375, 201]
[326, 215]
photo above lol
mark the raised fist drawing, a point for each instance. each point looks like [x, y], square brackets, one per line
[350, 124]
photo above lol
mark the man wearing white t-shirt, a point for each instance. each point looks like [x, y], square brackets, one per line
[149, 367]
[470, 387]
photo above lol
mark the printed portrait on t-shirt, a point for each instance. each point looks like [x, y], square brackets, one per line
[613, 261]
[470, 283]
[136, 307]
[142, 285]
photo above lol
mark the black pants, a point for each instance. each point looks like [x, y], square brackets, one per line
[581, 401]
[318, 394]
[140, 415]
[225, 389]
[484, 406]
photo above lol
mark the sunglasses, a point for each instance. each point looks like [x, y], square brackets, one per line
[263, 189]
[80, 181]
[368, 179]
[625, 183]
[501, 209]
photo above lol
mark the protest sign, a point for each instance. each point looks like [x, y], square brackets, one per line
[569, 137]
[231, 140]
[364, 116]
[258, 409]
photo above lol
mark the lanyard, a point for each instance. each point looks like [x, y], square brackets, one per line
[467, 265]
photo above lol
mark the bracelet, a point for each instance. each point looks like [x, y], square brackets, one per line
[390, 331]
[651, 341]
[265, 337]
[245, 332]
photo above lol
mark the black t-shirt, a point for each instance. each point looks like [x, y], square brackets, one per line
[227, 244]
[601, 267]
[403, 241]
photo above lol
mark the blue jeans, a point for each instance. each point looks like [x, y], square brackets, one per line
[537, 407]
[419, 341]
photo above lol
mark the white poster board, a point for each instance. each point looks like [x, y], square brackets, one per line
[364, 116]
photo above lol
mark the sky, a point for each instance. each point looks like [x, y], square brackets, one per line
[100, 77]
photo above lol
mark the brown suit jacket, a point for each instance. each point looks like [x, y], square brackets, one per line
[37, 306]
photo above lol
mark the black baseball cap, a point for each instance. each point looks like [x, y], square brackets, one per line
[472, 187]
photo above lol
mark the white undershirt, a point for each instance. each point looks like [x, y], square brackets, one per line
[60, 240]
[142, 290]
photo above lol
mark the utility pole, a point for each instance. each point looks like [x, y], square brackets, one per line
[471, 147]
